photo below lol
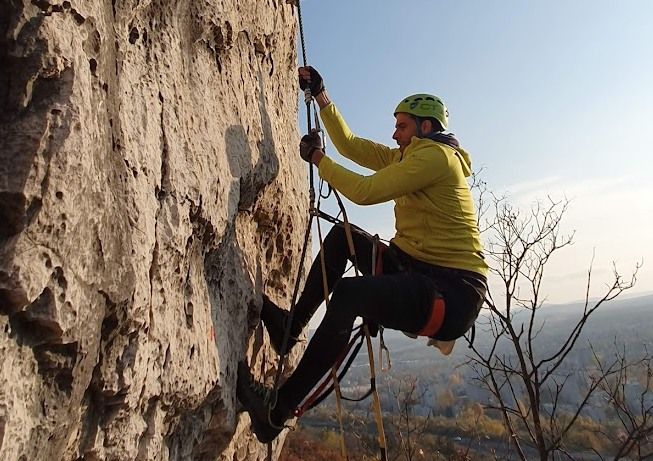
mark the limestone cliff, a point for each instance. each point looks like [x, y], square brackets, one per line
[150, 190]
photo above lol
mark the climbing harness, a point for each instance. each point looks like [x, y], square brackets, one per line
[363, 332]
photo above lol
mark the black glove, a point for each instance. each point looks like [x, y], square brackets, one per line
[309, 143]
[314, 82]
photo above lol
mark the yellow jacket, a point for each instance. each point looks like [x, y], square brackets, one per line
[435, 216]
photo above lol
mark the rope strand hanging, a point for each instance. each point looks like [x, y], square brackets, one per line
[316, 212]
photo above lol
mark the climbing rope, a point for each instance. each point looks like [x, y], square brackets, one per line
[308, 99]
[363, 331]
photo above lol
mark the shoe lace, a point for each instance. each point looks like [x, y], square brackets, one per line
[269, 398]
[268, 394]
[260, 389]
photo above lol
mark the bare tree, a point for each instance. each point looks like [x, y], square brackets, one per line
[405, 425]
[525, 375]
[405, 429]
[630, 396]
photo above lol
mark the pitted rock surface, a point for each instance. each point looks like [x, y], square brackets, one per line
[150, 191]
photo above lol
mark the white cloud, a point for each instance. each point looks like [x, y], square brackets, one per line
[528, 188]
[612, 219]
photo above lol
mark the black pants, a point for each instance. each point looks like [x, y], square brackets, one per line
[401, 299]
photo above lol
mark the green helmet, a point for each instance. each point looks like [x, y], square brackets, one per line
[425, 105]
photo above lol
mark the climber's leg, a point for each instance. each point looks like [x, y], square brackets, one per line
[336, 255]
[399, 301]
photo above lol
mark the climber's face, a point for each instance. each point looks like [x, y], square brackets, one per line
[405, 129]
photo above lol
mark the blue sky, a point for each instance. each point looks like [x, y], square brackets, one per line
[550, 98]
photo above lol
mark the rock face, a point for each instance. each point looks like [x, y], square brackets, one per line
[150, 191]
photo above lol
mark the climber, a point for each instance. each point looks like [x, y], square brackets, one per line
[433, 279]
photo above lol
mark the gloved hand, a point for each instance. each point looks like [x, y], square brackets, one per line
[309, 144]
[313, 80]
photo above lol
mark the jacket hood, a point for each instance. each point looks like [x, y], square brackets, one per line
[450, 140]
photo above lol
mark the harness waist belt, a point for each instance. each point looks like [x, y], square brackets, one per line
[433, 269]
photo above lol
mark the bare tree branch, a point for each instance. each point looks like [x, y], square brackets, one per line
[519, 248]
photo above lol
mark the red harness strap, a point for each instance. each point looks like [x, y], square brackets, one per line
[435, 320]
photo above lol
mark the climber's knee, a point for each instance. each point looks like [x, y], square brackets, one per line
[336, 236]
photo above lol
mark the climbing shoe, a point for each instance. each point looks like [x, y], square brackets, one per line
[255, 398]
[275, 320]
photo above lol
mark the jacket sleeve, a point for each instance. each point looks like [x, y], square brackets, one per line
[420, 170]
[362, 151]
